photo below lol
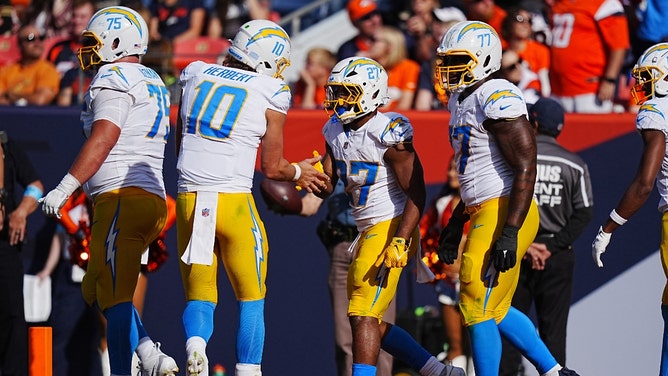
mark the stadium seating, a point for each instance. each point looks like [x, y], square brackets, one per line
[203, 48]
[9, 49]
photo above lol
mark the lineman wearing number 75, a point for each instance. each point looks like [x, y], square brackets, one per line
[126, 124]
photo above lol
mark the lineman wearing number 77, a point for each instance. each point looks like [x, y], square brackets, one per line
[126, 123]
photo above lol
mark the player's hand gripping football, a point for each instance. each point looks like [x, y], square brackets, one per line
[599, 245]
[317, 165]
[504, 250]
[448, 242]
[396, 254]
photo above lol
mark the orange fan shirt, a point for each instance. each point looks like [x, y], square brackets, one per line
[402, 77]
[25, 80]
[298, 95]
[537, 57]
[582, 32]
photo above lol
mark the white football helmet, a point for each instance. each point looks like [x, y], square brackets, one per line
[650, 73]
[263, 46]
[113, 33]
[355, 87]
[469, 52]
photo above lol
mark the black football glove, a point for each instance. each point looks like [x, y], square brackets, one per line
[504, 250]
[448, 242]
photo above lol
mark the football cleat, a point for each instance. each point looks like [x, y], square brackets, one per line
[452, 371]
[567, 372]
[158, 364]
[198, 364]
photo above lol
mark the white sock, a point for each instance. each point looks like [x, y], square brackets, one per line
[145, 347]
[244, 369]
[554, 371]
[135, 362]
[195, 344]
[460, 361]
[104, 360]
[432, 368]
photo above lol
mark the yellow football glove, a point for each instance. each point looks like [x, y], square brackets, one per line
[396, 254]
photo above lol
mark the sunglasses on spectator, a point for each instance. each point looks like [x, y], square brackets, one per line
[369, 15]
[522, 19]
[33, 37]
[513, 66]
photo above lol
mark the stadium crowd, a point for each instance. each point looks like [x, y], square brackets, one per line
[613, 33]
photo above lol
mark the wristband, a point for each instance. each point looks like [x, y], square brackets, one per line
[298, 172]
[69, 184]
[510, 231]
[610, 80]
[618, 219]
[33, 191]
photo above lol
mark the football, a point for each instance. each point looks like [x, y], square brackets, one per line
[281, 196]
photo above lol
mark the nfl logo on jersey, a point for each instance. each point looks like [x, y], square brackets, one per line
[205, 212]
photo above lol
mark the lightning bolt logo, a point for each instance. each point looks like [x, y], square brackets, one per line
[474, 26]
[130, 16]
[111, 243]
[500, 94]
[257, 234]
[395, 125]
[355, 64]
[381, 276]
[488, 280]
[268, 32]
[283, 89]
[658, 47]
[651, 107]
[116, 69]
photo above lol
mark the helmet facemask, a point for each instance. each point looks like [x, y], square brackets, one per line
[281, 64]
[455, 70]
[646, 78]
[343, 100]
[88, 54]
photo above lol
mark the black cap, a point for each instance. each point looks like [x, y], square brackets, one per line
[548, 115]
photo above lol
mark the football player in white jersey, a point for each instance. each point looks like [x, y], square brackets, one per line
[226, 112]
[651, 93]
[126, 123]
[495, 154]
[374, 156]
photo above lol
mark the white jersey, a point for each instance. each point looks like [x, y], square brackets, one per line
[136, 159]
[223, 116]
[483, 172]
[652, 115]
[372, 187]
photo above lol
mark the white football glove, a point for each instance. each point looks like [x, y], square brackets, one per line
[599, 245]
[54, 200]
